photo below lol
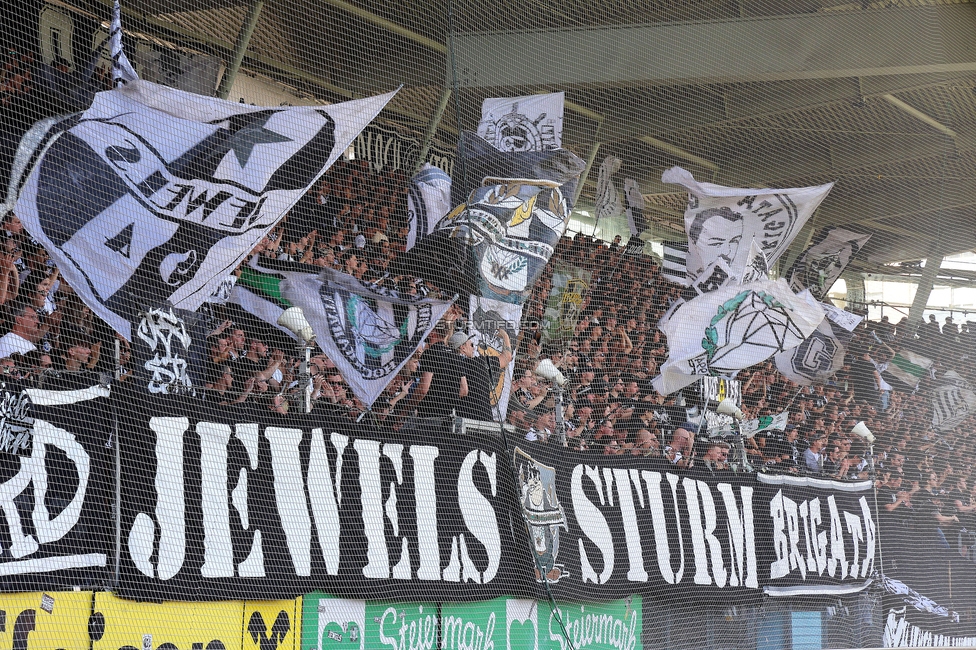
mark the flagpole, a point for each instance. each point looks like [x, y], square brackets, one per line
[240, 48]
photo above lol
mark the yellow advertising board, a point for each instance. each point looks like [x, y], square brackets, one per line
[45, 621]
[272, 624]
[119, 623]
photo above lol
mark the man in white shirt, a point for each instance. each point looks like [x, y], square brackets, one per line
[24, 332]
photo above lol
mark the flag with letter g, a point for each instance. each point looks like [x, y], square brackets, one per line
[154, 194]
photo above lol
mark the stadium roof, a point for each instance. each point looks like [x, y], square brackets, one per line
[878, 96]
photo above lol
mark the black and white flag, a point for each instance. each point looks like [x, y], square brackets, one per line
[952, 402]
[674, 265]
[820, 265]
[721, 222]
[532, 123]
[498, 239]
[122, 70]
[487, 316]
[818, 357]
[635, 208]
[154, 194]
[368, 331]
[607, 199]
[821, 355]
[428, 201]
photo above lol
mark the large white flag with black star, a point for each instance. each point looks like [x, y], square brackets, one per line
[154, 194]
[722, 222]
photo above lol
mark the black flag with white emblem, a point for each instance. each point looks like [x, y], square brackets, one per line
[154, 194]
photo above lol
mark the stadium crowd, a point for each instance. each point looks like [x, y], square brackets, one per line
[356, 221]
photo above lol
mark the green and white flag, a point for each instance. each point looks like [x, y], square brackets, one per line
[906, 369]
[777, 422]
[368, 331]
[736, 326]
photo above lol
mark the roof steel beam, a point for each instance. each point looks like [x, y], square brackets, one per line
[832, 45]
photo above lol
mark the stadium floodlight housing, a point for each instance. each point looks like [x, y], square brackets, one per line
[727, 407]
[861, 430]
[548, 371]
[293, 319]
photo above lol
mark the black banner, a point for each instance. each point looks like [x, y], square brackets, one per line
[232, 502]
[388, 149]
[222, 502]
[823, 535]
[56, 485]
[913, 620]
[604, 527]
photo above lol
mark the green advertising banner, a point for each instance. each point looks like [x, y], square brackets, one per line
[500, 624]
[349, 624]
[598, 626]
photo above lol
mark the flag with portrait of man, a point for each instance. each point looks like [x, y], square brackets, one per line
[722, 222]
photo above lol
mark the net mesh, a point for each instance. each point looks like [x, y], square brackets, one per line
[553, 381]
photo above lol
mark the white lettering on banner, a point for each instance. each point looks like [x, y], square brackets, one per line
[838, 557]
[300, 501]
[425, 496]
[703, 516]
[326, 495]
[697, 491]
[169, 494]
[466, 635]
[290, 496]
[791, 520]
[32, 471]
[635, 556]
[661, 536]
[899, 633]
[592, 523]
[218, 554]
[418, 634]
[474, 505]
[585, 629]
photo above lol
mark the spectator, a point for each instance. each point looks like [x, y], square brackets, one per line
[813, 456]
[679, 452]
[24, 329]
[479, 374]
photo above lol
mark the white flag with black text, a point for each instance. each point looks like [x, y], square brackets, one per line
[722, 222]
[154, 194]
[368, 332]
